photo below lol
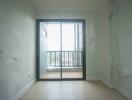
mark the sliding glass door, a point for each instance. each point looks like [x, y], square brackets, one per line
[61, 50]
[72, 66]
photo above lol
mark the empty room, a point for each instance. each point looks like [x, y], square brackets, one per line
[65, 49]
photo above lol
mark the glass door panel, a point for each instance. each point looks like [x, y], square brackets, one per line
[50, 55]
[72, 50]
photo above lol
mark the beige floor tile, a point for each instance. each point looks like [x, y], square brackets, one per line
[71, 90]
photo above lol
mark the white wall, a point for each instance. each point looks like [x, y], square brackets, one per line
[91, 35]
[17, 47]
[118, 24]
[104, 47]
[123, 70]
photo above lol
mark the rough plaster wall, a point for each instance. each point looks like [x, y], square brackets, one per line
[68, 5]
[123, 71]
[118, 24]
[91, 35]
[104, 47]
[17, 47]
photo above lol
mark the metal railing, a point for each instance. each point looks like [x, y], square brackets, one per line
[64, 58]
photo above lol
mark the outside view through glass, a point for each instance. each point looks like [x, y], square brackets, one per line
[64, 50]
[53, 31]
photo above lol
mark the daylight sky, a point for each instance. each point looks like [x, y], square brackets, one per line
[54, 36]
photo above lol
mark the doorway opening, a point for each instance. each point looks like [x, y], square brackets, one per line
[61, 49]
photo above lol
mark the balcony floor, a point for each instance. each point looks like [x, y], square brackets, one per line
[66, 73]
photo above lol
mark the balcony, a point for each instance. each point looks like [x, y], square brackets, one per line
[66, 59]
[69, 62]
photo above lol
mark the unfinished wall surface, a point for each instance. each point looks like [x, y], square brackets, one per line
[122, 72]
[92, 70]
[104, 57]
[116, 30]
[17, 47]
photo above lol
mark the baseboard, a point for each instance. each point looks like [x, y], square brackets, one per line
[90, 78]
[125, 93]
[22, 91]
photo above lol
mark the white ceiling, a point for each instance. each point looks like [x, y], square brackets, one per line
[77, 5]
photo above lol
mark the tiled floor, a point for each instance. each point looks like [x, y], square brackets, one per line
[49, 75]
[71, 90]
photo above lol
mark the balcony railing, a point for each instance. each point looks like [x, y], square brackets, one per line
[64, 58]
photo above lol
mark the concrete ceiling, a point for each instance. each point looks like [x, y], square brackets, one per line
[73, 5]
